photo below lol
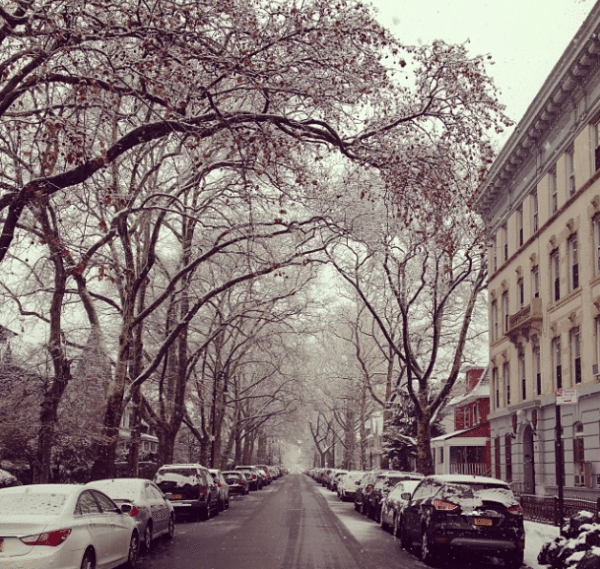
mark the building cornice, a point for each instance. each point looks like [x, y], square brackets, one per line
[570, 72]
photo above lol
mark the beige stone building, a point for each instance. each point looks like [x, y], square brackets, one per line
[541, 205]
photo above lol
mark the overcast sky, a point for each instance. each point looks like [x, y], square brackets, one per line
[525, 37]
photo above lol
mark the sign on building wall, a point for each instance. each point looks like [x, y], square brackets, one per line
[566, 396]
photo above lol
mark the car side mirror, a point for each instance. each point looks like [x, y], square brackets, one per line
[357, 482]
[406, 496]
[126, 508]
[168, 495]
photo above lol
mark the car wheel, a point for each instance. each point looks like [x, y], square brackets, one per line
[513, 560]
[428, 554]
[147, 539]
[171, 527]
[134, 551]
[220, 506]
[88, 561]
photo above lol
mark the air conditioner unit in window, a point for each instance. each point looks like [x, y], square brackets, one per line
[595, 370]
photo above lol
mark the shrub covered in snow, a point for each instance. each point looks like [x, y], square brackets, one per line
[577, 548]
[7, 479]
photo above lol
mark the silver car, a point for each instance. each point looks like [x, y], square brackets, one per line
[153, 513]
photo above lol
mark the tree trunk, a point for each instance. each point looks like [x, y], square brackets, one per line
[424, 458]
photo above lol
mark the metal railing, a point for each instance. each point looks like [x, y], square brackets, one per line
[475, 468]
[544, 509]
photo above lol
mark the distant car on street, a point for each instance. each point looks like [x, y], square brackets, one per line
[190, 488]
[254, 476]
[153, 513]
[238, 482]
[223, 487]
[347, 486]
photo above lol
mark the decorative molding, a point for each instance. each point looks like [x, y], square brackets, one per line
[504, 285]
[553, 328]
[553, 241]
[572, 317]
[597, 303]
[595, 201]
[519, 271]
[571, 225]
[533, 259]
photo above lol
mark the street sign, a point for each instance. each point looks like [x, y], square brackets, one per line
[566, 396]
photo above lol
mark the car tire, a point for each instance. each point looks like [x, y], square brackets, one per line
[134, 551]
[382, 523]
[514, 560]
[147, 537]
[428, 553]
[171, 527]
[89, 560]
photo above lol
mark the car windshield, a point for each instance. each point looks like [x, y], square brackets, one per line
[32, 504]
[176, 474]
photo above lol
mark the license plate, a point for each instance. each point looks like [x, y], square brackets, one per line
[176, 496]
[483, 522]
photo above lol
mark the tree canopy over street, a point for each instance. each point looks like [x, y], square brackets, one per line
[173, 174]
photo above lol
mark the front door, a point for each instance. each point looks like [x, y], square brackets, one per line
[528, 461]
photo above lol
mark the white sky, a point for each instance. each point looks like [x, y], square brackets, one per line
[524, 37]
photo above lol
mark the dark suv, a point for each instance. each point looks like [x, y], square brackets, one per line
[448, 513]
[190, 488]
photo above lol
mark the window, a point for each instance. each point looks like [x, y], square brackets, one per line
[537, 369]
[520, 236]
[505, 314]
[574, 262]
[476, 413]
[597, 322]
[497, 457]
[441, 455]
[596, 224]
[494, 320]
[535, 282]
[508, 451]
[495, 387]
[571, 170]
[506, 378]
[579, 454]
[553, 189]
[494, 254]
[556, 363]
[86, 504]
[596, 144]
[575, 356]
[520, 293]
[522, 377]
[555, 274]
[504, 234]
[535, 225]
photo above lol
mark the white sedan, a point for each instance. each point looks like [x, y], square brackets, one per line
[64, 526]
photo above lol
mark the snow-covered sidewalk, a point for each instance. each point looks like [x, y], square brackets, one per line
[535, 536]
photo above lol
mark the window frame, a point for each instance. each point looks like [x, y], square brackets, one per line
[573, 262]
[596, 229]
[575, 342]
[555, 275]
[495, 322]
[520, 231]
[535, 281]
[570, 170]
[535, 214]
[536, 362]
[504, 235]
[506, 380]
[553, 190]
[556, 363]
[520, 293]
[522, 376]
[505, 311]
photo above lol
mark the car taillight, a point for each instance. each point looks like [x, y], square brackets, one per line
[444, 506]
[515, 510]
[219, 484]
[134, 511]
[52, 538]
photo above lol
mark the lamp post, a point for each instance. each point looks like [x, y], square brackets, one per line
[219, 376]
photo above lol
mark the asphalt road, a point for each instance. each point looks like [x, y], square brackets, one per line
[291, 524]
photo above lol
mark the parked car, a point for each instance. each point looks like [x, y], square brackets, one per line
[222, 486]
[348, 485]
[7, 479]
[268, 478]
[153, 513]
[384, 482]
[336, 478]
[238, 481]
[470, 514]
[394, 503]
[190, 488]
[363, 490]
[254, 476]
[65, 525]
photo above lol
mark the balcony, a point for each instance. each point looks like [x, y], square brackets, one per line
[525, 322]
